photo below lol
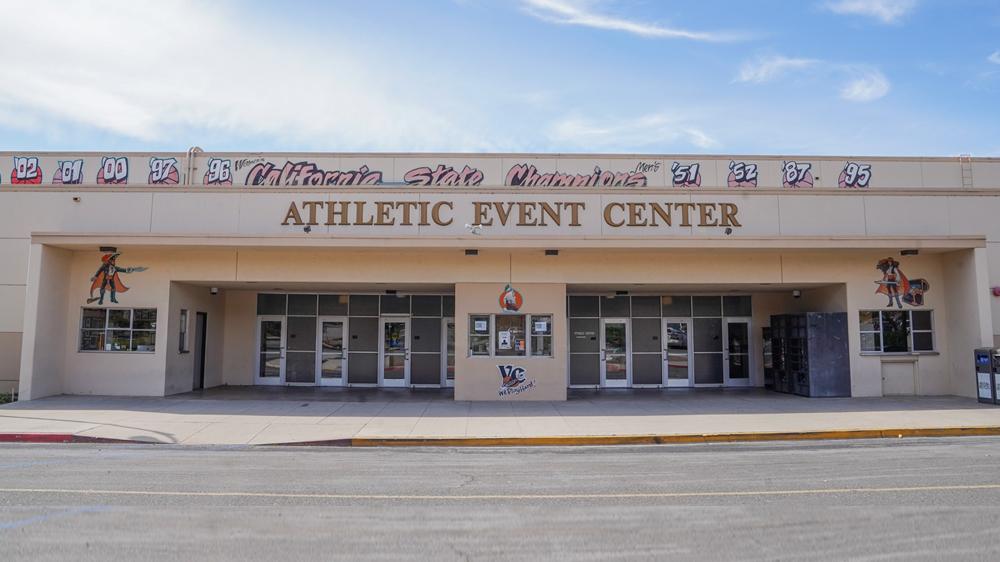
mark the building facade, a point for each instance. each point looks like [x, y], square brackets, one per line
[507, 276]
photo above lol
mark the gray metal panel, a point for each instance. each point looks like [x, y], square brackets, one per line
[706, 306]
[646, 334]
[677, 306]
[425, 368]
[647, 368]
[736, 305]
[708, 368]
[584, 335]
[426, 334]
[302, 305]
[448, 305]
[645, 307]
[362, 368]
[301, 333]
[828, 355]
[707, 334]
[364, 334]
[584, 307]
[615, 307]
[271, 304]
[333, 305]
[393, 304]
[585, 368]
[300, 366]
[425, 305]
[364, 305]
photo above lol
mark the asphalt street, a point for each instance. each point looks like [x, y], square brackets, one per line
[867, 500]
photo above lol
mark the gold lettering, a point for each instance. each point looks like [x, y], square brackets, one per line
[659, 211]
[526, 213]
[706, 216]
[686, 209]
[359, 214]
[607, 214]
[729, 211]
[483, 213]
[574, 212]
[503, 213]
[407, 206]
[333, 216]
[436, 212]
[293, 215]
[423, 213]
[553, 213]
[382, 216]
[635, 214]
[312, 205]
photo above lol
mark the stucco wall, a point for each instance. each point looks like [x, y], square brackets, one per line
[180, 366]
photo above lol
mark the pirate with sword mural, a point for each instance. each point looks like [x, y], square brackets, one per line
[895, 285]
[108, 278]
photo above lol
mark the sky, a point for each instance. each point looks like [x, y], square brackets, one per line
[783, 77]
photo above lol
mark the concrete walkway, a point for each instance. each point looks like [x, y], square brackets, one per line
[212, 418]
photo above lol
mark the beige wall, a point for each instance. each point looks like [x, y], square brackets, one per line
[180, 366]
[239, 347]
[478, 378]
[43, 366]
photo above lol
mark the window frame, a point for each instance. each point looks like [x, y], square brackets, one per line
[880, 332]
[182, 335]
[528, 352]
[107, 329]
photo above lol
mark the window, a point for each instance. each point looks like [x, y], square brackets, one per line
[118, 329]
[479, 334]
[896, 331]
[541, 335]
[183, 336]
[510, 335]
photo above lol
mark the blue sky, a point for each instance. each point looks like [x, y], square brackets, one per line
[875, 77]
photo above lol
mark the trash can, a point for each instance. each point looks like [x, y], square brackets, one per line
[986, 364]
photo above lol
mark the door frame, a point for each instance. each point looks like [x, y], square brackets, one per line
[320, 381]
[627, 383]
[395, 383]
[726, 381]
[201, 325]
[445, 383]
[678, 383]
[270, 381]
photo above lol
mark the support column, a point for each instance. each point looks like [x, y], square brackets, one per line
[43, 345]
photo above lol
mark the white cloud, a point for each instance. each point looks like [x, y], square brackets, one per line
[994, 57]
[580, 12]
[148, 69]
[868, 85]
[765, 69]
[886, 11]
[655, 129]
[861, 83]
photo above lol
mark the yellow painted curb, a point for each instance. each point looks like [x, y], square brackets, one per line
[565, 441]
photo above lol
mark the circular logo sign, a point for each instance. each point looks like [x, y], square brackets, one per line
[510, 299]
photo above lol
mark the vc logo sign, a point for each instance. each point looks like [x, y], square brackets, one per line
[513, 380]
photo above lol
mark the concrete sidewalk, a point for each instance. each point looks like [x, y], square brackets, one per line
[197, 420]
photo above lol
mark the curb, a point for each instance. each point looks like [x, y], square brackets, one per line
[59, 438]
[591, 440]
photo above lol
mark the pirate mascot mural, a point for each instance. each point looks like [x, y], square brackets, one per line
[897, 287]
[108, 277]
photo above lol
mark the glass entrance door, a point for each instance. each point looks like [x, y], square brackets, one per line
[736, 353]
[332, 346]
[395, 357]
[449, 352]
[614, 353]
[677, 367]
[270, 350]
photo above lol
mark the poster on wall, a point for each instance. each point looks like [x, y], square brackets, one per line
[504, 340]
[513, 380]
[108, 279]
[510, 299]
[895, 285]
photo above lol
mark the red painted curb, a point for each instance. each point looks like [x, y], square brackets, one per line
[58, 438]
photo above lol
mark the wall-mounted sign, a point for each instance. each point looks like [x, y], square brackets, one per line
[513, 380]
[504, 339]
[895, 285]
[481, 326]
[510, 299]
[108, 278]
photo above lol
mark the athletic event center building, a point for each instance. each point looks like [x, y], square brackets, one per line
[507, 276]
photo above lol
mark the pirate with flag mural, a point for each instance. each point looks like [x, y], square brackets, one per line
[108, 278]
